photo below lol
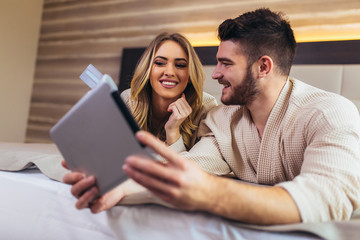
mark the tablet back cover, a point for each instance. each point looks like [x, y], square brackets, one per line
[95, 137]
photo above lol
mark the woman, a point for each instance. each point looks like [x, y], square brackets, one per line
[166, 98]
[166, 95]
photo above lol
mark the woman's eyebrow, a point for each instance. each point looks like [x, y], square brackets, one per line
[176, 59]
[180, 59]
[161, 57]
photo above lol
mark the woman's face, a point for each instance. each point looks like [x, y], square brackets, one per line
[169, 74]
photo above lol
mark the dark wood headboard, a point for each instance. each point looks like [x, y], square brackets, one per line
[335, 52]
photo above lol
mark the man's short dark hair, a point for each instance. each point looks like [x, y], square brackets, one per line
[262, 32]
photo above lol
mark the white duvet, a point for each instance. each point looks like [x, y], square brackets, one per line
[33, 206]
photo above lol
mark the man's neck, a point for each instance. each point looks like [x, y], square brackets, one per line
[262, 106]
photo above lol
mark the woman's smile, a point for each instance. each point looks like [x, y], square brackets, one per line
[168, 83]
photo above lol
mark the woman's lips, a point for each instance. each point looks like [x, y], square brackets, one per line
[168, 83]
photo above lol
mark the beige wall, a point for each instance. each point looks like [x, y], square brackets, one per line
[19, 33]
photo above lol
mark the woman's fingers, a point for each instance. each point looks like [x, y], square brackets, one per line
[73, 177]
[64, 164]
[184, 106]
[85, 190]
[180, 107]
[85, 199]
[79, 188]
[107, 200]
[180, 111]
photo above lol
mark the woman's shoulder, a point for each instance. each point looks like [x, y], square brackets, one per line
[208, 101]
[125, 95]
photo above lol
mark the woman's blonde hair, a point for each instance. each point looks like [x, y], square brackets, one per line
[141, 90]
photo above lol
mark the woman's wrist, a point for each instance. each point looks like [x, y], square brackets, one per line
[172, 136]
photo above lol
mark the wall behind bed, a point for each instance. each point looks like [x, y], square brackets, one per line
[77, 33]
[19, 35]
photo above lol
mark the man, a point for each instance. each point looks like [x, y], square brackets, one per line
[298, 144]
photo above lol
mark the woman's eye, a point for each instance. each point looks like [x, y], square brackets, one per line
[181, 65]
[159, 63]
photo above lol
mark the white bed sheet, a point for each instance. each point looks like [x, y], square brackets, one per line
[158, 222]
[36, 207]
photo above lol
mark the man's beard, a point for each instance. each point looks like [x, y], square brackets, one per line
[245, 93]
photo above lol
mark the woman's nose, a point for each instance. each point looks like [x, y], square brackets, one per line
[169, 70]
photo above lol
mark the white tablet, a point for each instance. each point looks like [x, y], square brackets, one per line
[96, 136]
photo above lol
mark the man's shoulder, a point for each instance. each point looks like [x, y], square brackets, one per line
[306, 95]
[310, 100]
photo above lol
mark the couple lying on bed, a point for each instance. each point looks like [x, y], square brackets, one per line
[299, 144]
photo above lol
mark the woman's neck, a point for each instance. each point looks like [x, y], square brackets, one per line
[160, 113]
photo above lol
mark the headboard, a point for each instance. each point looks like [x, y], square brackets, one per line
[333, 66]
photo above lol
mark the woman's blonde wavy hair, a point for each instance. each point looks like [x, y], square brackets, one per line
[140, 99]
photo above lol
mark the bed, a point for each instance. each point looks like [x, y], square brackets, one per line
[36, 205]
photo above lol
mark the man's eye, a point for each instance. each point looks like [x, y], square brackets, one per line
[159, 63]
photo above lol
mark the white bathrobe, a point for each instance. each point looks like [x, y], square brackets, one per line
[310, 147]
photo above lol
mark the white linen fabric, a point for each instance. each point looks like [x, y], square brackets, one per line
[309, 147]
[157, 222]
[35, 207]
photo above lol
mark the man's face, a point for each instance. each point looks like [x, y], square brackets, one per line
[233, 72]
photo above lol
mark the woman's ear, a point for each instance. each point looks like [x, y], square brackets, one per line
[266, 65]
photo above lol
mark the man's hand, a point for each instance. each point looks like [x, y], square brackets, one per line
[184, 185]
[179, 182]
[84, 189]
[180, 111]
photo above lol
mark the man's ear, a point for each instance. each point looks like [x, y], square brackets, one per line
[265, 66]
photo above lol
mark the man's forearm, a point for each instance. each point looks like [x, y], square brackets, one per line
[251, 203]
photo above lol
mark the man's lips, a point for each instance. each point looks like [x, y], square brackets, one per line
[224, 83]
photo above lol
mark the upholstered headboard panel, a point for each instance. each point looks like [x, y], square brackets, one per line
[332, 66]
[342, 79]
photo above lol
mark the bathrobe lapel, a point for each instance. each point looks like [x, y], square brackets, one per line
[270, 169]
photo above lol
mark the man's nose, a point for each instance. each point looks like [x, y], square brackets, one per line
[216, 74]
